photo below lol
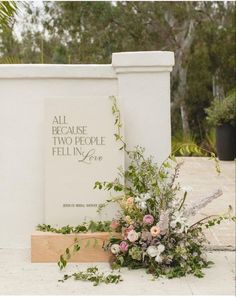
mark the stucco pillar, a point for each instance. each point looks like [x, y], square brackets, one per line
[144, 93]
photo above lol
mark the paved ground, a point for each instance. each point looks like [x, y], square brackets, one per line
[19, 276]
[200, 174]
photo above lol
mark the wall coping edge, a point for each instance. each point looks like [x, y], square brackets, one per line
[57, 71]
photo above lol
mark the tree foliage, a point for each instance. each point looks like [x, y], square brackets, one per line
[202, 35]
[7, 11]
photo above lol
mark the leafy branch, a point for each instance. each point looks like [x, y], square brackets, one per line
[93, 275]
[92, 226]
[74, 248]
[212, 220]
[188, 148]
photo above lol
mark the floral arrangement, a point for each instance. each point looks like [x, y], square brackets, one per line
[155, 223]
[154, 219]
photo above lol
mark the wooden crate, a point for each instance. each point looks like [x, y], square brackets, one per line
[47, 247]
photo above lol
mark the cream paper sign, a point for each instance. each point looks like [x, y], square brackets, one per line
[80, 149]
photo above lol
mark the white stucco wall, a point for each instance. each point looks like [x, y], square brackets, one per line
[141, 80]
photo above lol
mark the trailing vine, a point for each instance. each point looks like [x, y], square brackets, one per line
[74, 248]
[93, 275]
[186, 148]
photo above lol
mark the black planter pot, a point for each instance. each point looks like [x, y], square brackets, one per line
[226, 142]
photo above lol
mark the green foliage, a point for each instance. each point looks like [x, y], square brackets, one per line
[68, 253]
[179, 140]
[7, 11]
[101, 226]
[210, 141]
[75, 248]
[93, 275]
[89, 32]
[214, 220]
[154, 219]
[222, 111]
[143, 175]
[183, 253]
[135, 253]
[208, 144]
[211, 63]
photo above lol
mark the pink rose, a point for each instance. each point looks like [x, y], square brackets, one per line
[127, 230]
[133, 236]
[124, 246]
[114, 224]
[148, 219]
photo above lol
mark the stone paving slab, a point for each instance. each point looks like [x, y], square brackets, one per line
[19, 276]
[200, 174]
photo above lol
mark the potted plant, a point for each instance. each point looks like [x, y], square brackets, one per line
[221, 114]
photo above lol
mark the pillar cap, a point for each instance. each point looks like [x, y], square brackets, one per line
[149, 61]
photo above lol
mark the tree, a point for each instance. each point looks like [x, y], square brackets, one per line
[212, 64]
[89, 32]
[9, 46]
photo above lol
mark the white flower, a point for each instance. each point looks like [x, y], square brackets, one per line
[178, 217]
[152, 251]
[133, 236]
[143, 205]
[161, 248]
[141, 200]
[187, 189]
[158, 258]
[115, 249]
[145, 196]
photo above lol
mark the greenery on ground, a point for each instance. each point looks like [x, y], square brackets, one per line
[93, 275]
[202, 35]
